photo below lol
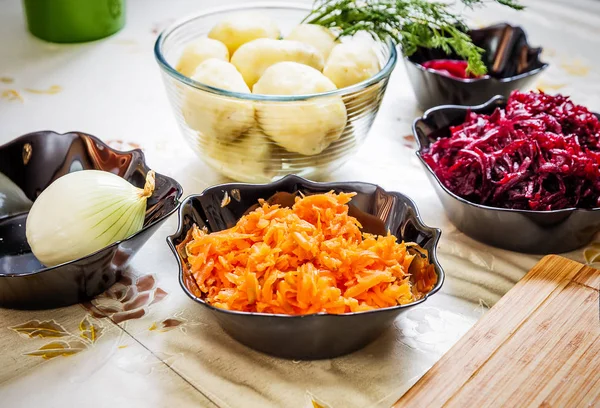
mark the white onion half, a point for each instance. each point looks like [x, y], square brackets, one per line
[83, 212]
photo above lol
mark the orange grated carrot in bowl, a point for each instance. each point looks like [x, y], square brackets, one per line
[311, 258]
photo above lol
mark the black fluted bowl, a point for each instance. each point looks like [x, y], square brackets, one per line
[512, 64]
[33, 162]
[314, 336]
[534, 232]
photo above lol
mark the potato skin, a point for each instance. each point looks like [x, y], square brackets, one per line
[254, 57]
[305, 127]
[214, 115]
[240, 28]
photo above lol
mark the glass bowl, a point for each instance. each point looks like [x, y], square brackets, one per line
[235, 132]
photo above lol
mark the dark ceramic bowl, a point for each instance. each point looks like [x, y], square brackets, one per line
[511, 62]
[33, 162]
[314, 336]
[535, 232]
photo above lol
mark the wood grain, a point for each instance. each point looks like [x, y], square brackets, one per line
[588, 277]
[538, 346]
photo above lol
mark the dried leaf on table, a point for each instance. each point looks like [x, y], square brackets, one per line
[545, 86]
[12, 95]
[575, 67]
[54, 89]
[42, 329]
[58, 348]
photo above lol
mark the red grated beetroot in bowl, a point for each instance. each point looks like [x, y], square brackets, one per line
[541, 152]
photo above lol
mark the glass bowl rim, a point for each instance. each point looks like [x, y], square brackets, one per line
[383, 73]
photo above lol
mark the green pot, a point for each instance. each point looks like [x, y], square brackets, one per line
[71, 21]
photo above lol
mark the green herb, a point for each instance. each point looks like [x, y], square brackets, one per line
[410, 23]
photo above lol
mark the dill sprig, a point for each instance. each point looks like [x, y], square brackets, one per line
[410, 23]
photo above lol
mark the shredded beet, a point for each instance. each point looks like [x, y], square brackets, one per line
[452, 68]
[541, 152]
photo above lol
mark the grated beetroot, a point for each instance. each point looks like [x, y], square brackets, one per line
[541, 152]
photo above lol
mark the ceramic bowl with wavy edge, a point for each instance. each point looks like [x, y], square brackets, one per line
[33, 162]
[512, 64]
[535, 232]
[257, 148]
[315, 336]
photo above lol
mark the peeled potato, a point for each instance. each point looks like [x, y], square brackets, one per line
[254, 57]
[305, 127]
[322, 38]
[241, 28]
[246, 159]
[214, 115]
[351, 62]
[199, 51]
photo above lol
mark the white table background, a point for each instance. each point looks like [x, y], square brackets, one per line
[112, 89]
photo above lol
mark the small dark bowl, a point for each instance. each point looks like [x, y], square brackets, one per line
[314, 336]
[534, 232]
[511, 62]
[33, 162]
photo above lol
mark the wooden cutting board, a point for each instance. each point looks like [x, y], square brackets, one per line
[539, 346]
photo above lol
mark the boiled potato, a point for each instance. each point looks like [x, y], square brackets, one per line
[199, 51]
[246, 159]
[254, 57]
[241, 28]
[214, 115]
[351, 62]
[322, 38]
[305, 127]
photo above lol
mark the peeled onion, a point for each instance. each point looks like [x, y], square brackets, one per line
[83, 212]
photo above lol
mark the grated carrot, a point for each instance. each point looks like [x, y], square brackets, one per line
[311, 258]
